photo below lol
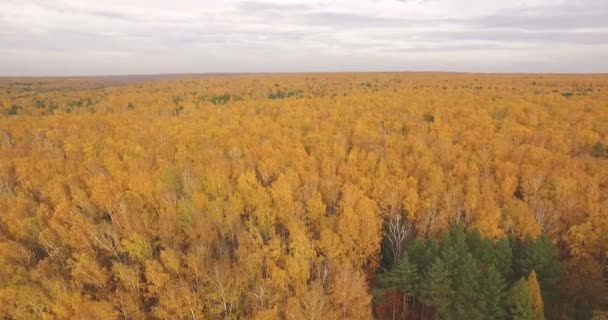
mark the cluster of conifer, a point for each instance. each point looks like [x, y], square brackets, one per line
[464, 276]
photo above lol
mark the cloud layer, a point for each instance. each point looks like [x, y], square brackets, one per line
[69, 37]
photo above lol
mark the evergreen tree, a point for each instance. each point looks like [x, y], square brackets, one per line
[482, 249]
[503, 258]
[474, 241]
[493, 290]
[457, 239]
[451, 259]
[466, 277]
[436, 290]
[539, 255]
[537, 299]
[468, 302]
[519, 301]
[418, 254]
[403, 277]
[410, 281]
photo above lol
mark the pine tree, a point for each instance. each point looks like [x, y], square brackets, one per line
[404, 277]
[537, 299]
[436, 290]
[503, 258]
[468, 302]
[410, 280]
[493, 289]
[519, 301]
[423, 252]
[538, 255]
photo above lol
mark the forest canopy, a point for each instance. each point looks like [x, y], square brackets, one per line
[312, 196]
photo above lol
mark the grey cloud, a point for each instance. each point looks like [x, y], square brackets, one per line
[444, 48]
[567, 15]
[67, 8]
[258, 31]
[516, 36]
[257, 6]
[109, 14]
[352, 20]
[306, 15]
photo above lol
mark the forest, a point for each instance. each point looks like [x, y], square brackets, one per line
[412, 196]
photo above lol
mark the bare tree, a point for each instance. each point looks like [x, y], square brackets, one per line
[397, 233]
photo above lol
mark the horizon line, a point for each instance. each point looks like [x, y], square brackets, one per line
[173, 74]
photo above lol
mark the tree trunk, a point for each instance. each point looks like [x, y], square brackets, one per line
[404, 304]
[422, 312]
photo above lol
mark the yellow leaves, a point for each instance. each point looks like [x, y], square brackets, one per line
[224, 292]
[22, 302]
[156, 277]
[215, 185]
[488, 219]
[331, 245]
[14, 253]
[141, 182]
[302, 253]
[590, 238]
[508, 187]
[282, 191]
[472, 194]
[518, 220]
[86, 271]
[19, 219]
[252, 192]
[311, 303]
[171, 260]
[56, 192]
[349, 294]
[411, 202]
[359, 226]
[137, 247]
[74, 305]
[315, 209]
[268, 314]
[104, 191]
[185, 214]
[128, 276]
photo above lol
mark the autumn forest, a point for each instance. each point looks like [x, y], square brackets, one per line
[412, 196]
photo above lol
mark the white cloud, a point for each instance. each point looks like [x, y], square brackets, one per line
[61, 37]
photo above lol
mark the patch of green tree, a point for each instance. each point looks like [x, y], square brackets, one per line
[466, 277]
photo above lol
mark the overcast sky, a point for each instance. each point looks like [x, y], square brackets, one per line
[83, 37]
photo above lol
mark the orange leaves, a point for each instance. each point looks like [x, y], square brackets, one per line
[86, 271]
[358, 225]
[156, 277]
[273, 208]
[349, 294]
[518, 220]
[129, 277]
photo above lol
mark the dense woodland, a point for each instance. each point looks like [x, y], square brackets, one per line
[314, 196]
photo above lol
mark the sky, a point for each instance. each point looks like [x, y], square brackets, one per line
[114, 37]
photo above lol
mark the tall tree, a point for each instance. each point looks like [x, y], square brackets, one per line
[519, 301]
[436, 290]
[538, 307]
[538, 255]
[493, 290]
